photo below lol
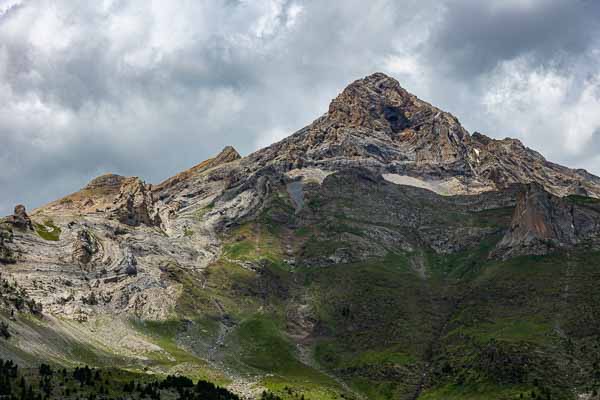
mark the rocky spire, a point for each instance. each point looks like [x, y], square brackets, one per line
[228, 154]
[134, 204]
[20, 219]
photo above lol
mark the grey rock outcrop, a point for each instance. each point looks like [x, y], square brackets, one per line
[227, 155]
[134, 204]
[20, 219]
[6, 254]
[106, 182]
[128, 265]
[543, 222]
[85, 247]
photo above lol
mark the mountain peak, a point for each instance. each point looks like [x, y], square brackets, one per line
[375, 123]
[356, 196]
[376, 81]
[228, 154]
[376, 102]
[106, 181]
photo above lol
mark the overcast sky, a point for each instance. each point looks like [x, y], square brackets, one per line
[149, 88]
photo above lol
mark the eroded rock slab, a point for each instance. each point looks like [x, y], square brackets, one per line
[543, 222]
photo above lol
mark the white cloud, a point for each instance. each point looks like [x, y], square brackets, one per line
[6, 5]
[405, 65]
[271, 136]
[549, 108]
[293, 13]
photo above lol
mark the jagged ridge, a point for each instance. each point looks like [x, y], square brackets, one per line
[376, 123]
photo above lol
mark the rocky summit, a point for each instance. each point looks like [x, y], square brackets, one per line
[381, 252]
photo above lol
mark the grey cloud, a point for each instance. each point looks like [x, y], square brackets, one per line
[121, 89]
[475, 35]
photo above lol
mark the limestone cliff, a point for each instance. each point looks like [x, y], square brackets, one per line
[543, 222]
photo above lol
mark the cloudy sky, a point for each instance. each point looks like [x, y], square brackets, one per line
[149, 88]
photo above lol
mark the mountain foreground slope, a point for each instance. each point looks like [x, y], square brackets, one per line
[381, 252]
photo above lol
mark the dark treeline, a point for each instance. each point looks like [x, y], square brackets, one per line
[85, 383]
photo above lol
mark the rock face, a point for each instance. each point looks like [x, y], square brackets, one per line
[6, 254]
[375, 123]
[227, 155]
[85, 247]
[20, 219]
[128, 200]
[543, 222]
[134, 204]
[106, 182]
[128, 265]
[507, 161]
[417, 131]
